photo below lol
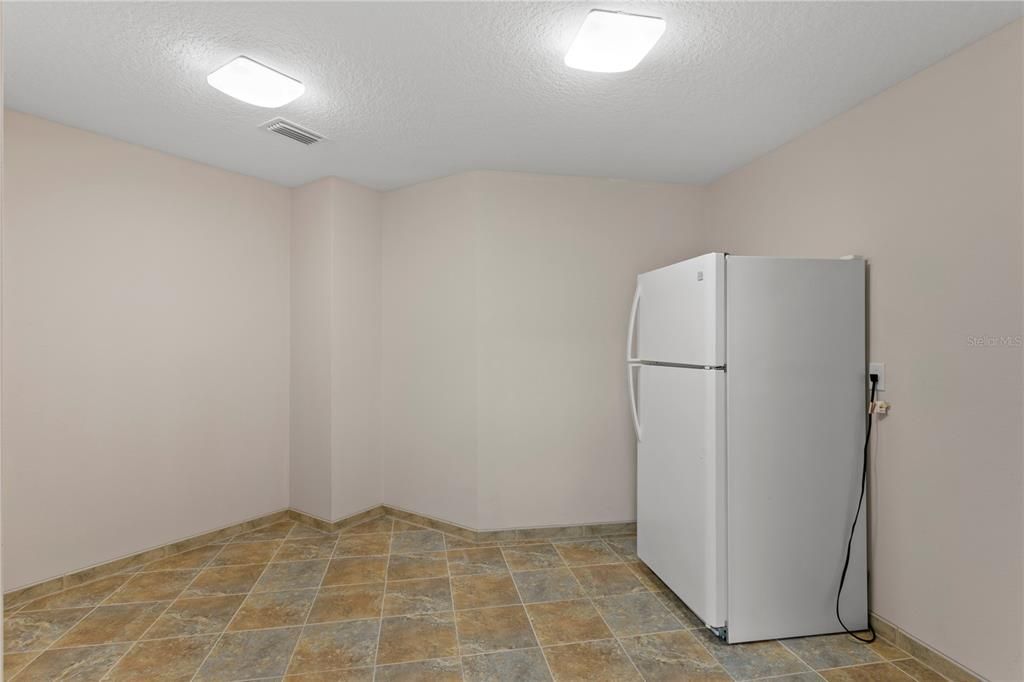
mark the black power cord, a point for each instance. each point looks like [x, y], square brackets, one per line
[860, 502]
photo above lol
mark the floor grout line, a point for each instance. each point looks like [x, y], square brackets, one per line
[455, 619]
[312, 603]
[522, 605]
[383, 597]
[220, 636]
[680, 620]
[142, 637]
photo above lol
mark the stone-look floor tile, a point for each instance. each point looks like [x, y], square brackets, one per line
[606, 580]
[201, 616]
[379, 525]
[224, 580]
[273, 610]
[88, 594]
[417, 596]
[116, 623]
[81, 663]
[413, 638]
[562, 622]
[556, 584]
[476, 591]
[163, 660]
[532, 557]
[600, 660]
[412, 566]
[585, 552]
[753, 659]
[350, 675]
[355, 570]
[636, 614]
[874, 672]
[247, 553]
[190, 560]
[249, 655]
[292, 575]
[347, 602]
[624, 546]
[521, 665]
[831, 651]
[454, 542]
[38, 629]
[476, 561]
[918, 670]
[306, 549]
[402, 526]
[680, 610]
[417, 542]
[887, 650]
[670, 656]
[650, 580]
[369, 544]
[333, 646]
[301, 530]
[442, 670]
[160, 586]
[809, 676]
[276, 531]
[15, 662]
[494, 629]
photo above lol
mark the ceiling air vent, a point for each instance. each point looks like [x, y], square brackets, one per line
[293, 131]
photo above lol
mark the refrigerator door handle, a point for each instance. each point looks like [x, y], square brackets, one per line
[632, 327]
[632, 401]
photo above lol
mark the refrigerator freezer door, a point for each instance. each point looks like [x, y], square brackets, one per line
[680, 313]
[796, 409]
[681, 484]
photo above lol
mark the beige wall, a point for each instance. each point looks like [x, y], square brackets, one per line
[145, 355]
[429, 350]
[505, 303]
[309, 460]
[557, 261]
[925, 181]
[355, 342]
[335, 332]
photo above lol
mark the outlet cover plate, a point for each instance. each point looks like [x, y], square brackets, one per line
[879, 369]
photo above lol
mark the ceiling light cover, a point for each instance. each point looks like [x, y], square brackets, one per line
[256, 84]
[613, 42]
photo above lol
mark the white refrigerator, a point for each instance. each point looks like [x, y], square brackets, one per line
[747, 385]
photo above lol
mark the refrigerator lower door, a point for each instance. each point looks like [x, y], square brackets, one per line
[681, 484]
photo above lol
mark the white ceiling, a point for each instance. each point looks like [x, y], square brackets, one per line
[411, 91]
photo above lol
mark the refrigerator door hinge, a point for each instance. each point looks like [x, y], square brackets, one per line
[721, 633]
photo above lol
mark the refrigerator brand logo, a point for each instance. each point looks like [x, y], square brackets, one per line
[700, 275]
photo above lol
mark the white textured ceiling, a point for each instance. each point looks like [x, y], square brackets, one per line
[411, 91]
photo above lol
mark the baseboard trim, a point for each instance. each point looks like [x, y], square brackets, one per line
[22, 595]
[921, 651]
[340, 524]
[510, 534]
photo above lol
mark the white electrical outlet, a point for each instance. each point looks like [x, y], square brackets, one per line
[879, 369]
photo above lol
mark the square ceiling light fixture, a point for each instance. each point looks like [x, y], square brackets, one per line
[613, 42]
[256, 84]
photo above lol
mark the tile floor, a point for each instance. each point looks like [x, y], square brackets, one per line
[388, 600]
